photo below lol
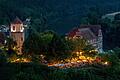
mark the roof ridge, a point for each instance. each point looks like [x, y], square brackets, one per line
[17, 21]
[88, 29]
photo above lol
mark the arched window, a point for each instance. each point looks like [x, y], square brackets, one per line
[13, 27]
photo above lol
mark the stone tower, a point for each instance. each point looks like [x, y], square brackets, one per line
[17, 33]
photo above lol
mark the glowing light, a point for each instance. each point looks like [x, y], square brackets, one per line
[24, 60]
[72, 62]
[17, 59]
[77, 53]
[81, 53]
[93, 51]
[106, 63]
[82, 57]
[84, 60]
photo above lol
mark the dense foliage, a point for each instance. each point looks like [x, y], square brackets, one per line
[48, 44]
[62, 16]
[32, 71]
[58, 14]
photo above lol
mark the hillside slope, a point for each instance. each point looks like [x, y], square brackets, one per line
[61, 15]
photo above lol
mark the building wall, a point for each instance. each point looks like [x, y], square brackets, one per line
[92, 33]
[17, 33]
[17, 28]
[19, 38]
[100, 41]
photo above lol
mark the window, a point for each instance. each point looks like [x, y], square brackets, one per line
[21, 38]
[13, 27]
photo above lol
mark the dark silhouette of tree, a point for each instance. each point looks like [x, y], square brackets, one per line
[58, 48]
[31, 44]
[94, 16]
[2, 39]
[11, 45]
[117, 17]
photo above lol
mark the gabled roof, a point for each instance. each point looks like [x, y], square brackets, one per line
[72, 32]
[86, 31]
[94, 28]
[17, 21]
[87, 34]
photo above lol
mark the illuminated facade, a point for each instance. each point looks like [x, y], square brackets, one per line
[17, 33]
[92, 33]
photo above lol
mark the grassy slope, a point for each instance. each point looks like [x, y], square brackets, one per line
[40, 72]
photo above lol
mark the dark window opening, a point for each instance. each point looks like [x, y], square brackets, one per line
[13, 27]
[21, 38]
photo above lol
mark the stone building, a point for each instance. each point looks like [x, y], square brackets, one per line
[17, 33]
[92, 33]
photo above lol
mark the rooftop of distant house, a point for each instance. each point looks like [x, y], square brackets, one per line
[87, 31]
[17, 21]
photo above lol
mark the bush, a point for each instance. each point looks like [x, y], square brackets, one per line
[27, 76]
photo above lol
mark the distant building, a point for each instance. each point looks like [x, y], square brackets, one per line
[92, 33]
[17, 30]
[4, 33]
[17, 33]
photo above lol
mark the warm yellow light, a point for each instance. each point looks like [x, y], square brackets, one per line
[88, 58]
[82, 57]
[72, 62]
[21, 60]
[81, 53]
[106, 63]
[78, 61]
[84, 60]
[17, 59]
[77, 53]
[75, 59]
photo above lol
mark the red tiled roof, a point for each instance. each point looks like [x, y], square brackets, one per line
[17, 21]
[72, 32]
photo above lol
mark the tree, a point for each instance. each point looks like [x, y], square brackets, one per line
[46, 38]
[110, 31]
[79, 44]
[93, 16]
[40, 24]
[2, 39]
[117, 51]
[11, 45]
[58, 48]
[90, 51]
[31, 44]
[117, 17]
